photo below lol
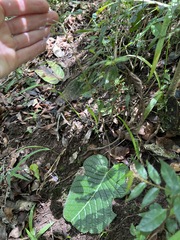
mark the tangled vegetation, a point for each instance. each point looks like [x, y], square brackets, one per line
[125, 75]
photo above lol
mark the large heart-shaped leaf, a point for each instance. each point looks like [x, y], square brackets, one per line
[89, 203]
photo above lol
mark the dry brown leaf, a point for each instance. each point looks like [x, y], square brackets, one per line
[146, 130]
[165, 142]
[175, 166]
[119, 153]
[13, 158]
[16, 232]
[49, 126]
[8, 213]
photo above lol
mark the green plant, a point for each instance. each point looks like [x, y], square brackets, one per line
[127, 32]
[89, 203]
[93, 192]
[15, 172]
[158, 218]
[134, 141]
[121, 31]
[31, 232]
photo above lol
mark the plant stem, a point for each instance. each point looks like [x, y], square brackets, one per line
[174, 83]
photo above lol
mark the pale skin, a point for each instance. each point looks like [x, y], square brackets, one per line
[24, 36]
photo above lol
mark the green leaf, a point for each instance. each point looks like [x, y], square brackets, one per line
[47, 75]
[19, 176]
[141, 170]
[171, 225]
[133, 230]
[88, 206]
[167, 20]
[139, 235]
[134, 141]
[155, 206]
[52, 74]
[176, 236]
[150, 196]
[177, 208]
[170, 177]
[44, 229]
[156, 28]
[29, 155]
[152, 103]
[152, 220]
[34, 167]
[137, 190]
[117, 60]
[31, 229]
[30, 235]
[92, 114]
[57, 70]
[153, 173]
[130, 178]
[148, 64]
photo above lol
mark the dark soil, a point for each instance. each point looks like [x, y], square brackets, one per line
[53, 189]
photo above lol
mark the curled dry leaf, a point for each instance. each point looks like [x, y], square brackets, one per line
[16, 232]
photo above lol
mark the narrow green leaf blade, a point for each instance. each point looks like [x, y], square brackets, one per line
[152, 103]
[137, 190]
[44, 229]
[116, 60]
[150, 196]
[152, 220]
[19, 176]
[92, 114]
[31, 229]
[153, 173]
[160, 44]
[32, 237]
[134, 141]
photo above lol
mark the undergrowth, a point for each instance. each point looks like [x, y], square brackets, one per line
[123, 38]
[126, 37]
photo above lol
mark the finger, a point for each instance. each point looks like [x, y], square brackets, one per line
[6, 66]
[31, 22]
[21, 7]
[1, 14]
[29, 53]
[27, 39]
[6, 39]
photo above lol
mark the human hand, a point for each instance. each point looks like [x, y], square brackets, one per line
[23, 37]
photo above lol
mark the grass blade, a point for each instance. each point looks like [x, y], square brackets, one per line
[160, 44]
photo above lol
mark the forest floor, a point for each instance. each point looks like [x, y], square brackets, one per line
[39, 116]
